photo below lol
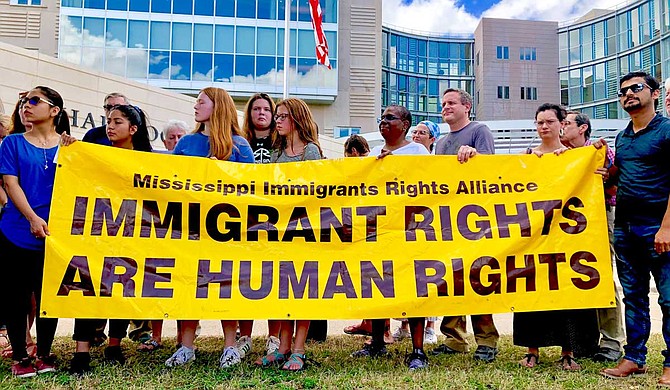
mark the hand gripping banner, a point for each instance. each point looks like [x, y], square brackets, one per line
[145, 235]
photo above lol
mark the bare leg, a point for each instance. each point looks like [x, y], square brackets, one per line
[246, 327]
[286, 336]
[188, 333]
[157, 330]
[229, 332]
[274, 328]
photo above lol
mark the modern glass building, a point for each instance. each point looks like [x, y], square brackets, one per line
[186, 45]
[595, 51]
[416, 69]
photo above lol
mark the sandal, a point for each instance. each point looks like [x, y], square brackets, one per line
[4, 340]
[568, 363]
[149, 346]
[530, 360]
[276, 358]
[296, 360]
[357, 330]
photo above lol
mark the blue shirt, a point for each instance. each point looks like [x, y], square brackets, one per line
[20, 158]
[97, 135]
[643, 159]
[197, 144]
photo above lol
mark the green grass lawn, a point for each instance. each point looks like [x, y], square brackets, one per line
[334, 369]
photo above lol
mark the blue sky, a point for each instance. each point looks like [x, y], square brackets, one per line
[462, 16]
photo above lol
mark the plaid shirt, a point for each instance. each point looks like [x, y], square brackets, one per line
[609, 200]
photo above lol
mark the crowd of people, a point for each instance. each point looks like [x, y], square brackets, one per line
[637, 181]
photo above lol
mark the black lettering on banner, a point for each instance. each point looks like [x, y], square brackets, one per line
[339, 271]
[521, 218]
[267, 269]
[445, 223]
[194, 221]
[412, 225]
[548, 207]
[125, 279]
[493, 279]
[459, 276]
[254, 224]
[85, 284]
[422, 279]
[299, 217]
[79, 216]
[552, 260]
[583, 269]
[371, 213]
[483, 226]
[526, 272]
[309, 279]
[151, 277]
[141, 182]
[151, 216]
[206, 277]
[384, 281]
[574, 215]
[233, 229]
[103, 213]
[342, 227]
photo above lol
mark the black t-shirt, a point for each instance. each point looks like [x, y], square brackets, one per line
[262, 148]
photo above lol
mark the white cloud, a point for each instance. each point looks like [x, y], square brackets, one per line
[450, 16]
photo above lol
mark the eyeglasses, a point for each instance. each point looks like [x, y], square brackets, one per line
[547, 122]
[281, 117]
[635, 88]
[108, 107]
[35, 100]
[419, 132]
[387, 118]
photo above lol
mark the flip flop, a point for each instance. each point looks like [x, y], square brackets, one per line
[568, 363]
[296, 359]
[356, 330]
[530, 360]
[149, 346]
[4, 339]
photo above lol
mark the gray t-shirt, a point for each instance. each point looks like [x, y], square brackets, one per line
[474, 134]
[311, 152]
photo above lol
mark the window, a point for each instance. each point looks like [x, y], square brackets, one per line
[26, 2]
[528, 54]
[502, 52]
[503, 92]
[528, 93]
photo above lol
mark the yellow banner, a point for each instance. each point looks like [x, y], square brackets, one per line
[142, 235]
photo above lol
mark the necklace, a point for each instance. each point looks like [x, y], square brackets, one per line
[44, 145]
[46, 163]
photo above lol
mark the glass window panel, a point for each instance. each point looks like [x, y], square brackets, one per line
[267, 9]
[223, 67]
[162, 6]
[246, 9]
[115, 61]
[306, 44]
[71, 30]
[139, 5]
[117, 5]
[137, 63]
[180, 66]
[329, 9]
[204, 7]
[94, 32]
[244, 67]
[203, 39]
[245, 40]
[433, 87]
[72, 3]
[202, 67]
[160, 35]
[433, 49]
[267, 41]
[91, 57]
[331, 38]
[181, 36]
[138, 33]
[224, 39]
[183, 7]
[95, 4]
[70, 53]
[116, 32]
[225, 7]
[444, 50]
[159, 64]
[265, 66]
[303, 11]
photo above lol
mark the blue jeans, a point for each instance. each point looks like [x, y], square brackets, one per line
[636, 262]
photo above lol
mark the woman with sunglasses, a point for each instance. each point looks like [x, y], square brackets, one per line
[575, 331]
[217, 136]
[296, 140]
[28, 169]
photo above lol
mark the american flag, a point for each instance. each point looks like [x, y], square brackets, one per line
[319, 35]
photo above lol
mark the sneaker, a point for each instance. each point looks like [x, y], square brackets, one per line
[271, 345]
[23, 369]
[243, 346]
[429, 336]
[401, 333]
[114, 355]
[80, 363]
[417, 360]
[485, 354]
[444, 349]
[607, 355]
[182, 356]
[229, 357]
[46, 364]
[371, 350]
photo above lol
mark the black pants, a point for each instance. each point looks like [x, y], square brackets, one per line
[24, 269]
[85, 329]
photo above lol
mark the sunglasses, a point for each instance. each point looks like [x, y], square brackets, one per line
[108, 107]
[635, 88]
[35, 100]
[387, 118]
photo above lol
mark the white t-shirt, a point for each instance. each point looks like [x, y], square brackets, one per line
[411, 148]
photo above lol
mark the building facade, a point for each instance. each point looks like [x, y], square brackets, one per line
[30, 24]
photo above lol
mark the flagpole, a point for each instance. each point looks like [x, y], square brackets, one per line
[287, 44]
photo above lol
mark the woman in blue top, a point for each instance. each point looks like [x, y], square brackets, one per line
[28, 170]
[217, 136]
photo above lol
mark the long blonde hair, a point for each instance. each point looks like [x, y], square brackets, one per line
[223, 123]
[303, 124]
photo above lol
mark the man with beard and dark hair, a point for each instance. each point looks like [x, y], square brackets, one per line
[642, 220]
